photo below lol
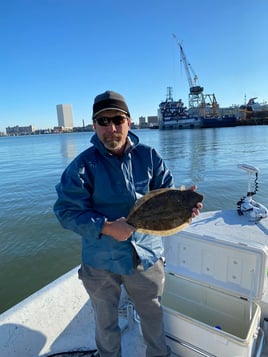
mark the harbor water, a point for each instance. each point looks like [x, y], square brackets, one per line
[35, 250]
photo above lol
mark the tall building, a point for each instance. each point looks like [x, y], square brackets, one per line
[65, 115]
[142, 122]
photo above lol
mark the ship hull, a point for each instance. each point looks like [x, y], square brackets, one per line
[187, 123]
[219, 122]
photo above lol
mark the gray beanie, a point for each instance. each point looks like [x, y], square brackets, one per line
[109, 100]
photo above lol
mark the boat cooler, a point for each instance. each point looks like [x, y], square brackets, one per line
[211, 295]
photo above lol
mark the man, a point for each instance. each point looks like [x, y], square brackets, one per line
[96, 193]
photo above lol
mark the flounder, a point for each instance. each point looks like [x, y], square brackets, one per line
[164, 211]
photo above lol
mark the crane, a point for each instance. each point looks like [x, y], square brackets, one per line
[194, 88]
[198, 104]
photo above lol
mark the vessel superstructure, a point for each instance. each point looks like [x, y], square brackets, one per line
[173, 114]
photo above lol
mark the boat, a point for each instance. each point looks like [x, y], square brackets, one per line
[173, 114]
[221, 121]
[203, 109]
[215, 300]
[206, 107]
[254, 112]
[253, 106]
[154, 126]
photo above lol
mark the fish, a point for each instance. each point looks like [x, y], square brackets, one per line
[164, 211]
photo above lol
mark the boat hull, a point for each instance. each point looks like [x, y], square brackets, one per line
[219, 122]
[191, 123]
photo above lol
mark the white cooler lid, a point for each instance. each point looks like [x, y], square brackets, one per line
[233, 267]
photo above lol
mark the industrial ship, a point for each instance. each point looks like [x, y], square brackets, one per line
[203, 112]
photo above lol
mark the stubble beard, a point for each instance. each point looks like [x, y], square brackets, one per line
[114, 143]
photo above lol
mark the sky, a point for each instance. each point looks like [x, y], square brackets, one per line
[68, 51]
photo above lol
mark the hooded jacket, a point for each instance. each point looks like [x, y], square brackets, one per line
[98, 186]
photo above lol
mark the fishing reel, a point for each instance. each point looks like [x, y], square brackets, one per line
[255, 210]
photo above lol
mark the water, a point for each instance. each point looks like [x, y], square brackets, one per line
[35, 250]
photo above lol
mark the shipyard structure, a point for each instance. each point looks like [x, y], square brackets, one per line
[203, 109]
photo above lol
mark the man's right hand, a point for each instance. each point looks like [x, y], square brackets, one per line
[118, 229]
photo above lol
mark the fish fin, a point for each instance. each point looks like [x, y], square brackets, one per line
[164, 233]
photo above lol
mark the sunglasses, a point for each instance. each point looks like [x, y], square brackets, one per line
[116, 120]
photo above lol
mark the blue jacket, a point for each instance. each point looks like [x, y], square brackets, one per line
[98, 186]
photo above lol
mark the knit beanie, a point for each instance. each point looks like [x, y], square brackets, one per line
[109, 100]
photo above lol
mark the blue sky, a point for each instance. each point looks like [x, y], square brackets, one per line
[68, 51]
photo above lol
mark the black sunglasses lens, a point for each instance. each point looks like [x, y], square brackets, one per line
[105, 121]
[118, 120]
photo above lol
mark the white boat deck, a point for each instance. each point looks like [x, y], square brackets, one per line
[59, 317]
[56, 321]
[229, 224]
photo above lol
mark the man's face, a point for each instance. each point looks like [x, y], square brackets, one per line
[113, 135]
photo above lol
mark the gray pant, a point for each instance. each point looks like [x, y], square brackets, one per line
[144, 288]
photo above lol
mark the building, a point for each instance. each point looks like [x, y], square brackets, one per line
[142, 122]
[65, 116]
[19, 130]
[153, 121]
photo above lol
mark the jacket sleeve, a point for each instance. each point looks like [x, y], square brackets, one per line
[73, 207]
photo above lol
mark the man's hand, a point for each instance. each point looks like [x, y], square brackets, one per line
[118, 229]
[199, 206]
